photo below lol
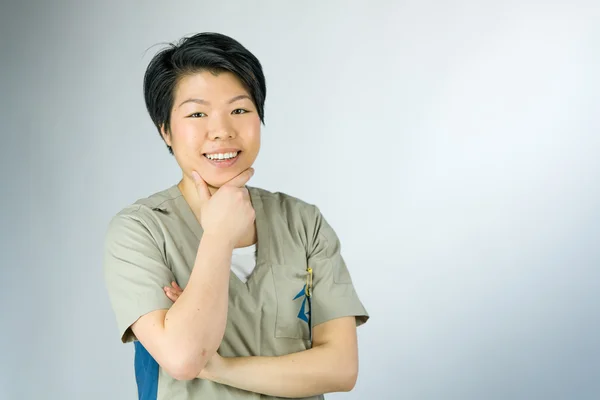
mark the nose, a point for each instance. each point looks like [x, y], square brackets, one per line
[219, 128]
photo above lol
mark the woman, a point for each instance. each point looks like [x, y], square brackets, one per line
[268, 307]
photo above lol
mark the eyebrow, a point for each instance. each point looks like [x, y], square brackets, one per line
[202, 101]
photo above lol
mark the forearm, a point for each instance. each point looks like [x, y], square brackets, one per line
[195, 324]
[319, 370]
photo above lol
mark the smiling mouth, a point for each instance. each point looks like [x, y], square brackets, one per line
[222, 156]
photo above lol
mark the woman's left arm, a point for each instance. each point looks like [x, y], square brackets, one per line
[331, 365]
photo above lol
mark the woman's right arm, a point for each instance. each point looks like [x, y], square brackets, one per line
[180, 339]
[183, 338]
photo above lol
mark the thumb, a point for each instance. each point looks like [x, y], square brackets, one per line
[201, 187]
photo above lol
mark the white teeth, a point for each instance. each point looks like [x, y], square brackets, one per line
[221, 156]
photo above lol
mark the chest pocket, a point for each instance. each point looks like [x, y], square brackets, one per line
[293, 304]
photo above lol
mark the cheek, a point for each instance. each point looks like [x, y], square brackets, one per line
[253, 131]
[185, 138]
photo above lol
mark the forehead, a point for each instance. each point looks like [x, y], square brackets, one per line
[209, 86]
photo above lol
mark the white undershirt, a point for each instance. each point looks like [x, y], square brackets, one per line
[243, 261]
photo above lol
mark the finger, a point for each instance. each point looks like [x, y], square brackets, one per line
[241, 179]
[176, 291]
[173, 297]
[171, 294]
[176, 286]
[201, 187]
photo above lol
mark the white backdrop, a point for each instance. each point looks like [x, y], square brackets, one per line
[453, 145]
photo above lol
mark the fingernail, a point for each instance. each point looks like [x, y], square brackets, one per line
[195, 176]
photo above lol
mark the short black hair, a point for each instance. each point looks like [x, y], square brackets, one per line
[207, 51]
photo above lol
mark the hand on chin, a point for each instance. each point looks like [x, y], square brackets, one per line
[233, 178]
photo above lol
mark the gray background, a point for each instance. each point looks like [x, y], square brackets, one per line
[453, 145]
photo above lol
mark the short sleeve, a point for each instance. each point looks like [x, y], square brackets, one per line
[135, 272]
[334, 295]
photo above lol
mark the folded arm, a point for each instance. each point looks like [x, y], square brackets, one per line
[330, 366]
[179, 338]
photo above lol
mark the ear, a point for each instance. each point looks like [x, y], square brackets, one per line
[164, 132]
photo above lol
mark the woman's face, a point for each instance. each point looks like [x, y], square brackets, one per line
[215, 127]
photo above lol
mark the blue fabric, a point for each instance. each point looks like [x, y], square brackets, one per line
[146, 373]
[303, 314]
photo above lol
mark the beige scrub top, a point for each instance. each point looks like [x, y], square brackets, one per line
[155, 241]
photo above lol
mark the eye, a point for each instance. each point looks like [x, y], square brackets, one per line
[239, 111]
[197, 115]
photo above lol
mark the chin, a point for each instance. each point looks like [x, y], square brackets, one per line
[218, 180]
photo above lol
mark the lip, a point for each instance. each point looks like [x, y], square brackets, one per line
[223, 150]
[223, 163]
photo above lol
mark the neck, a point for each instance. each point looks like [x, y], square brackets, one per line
[190, 194]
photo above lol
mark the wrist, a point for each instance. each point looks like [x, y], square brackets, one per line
[218, 240]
